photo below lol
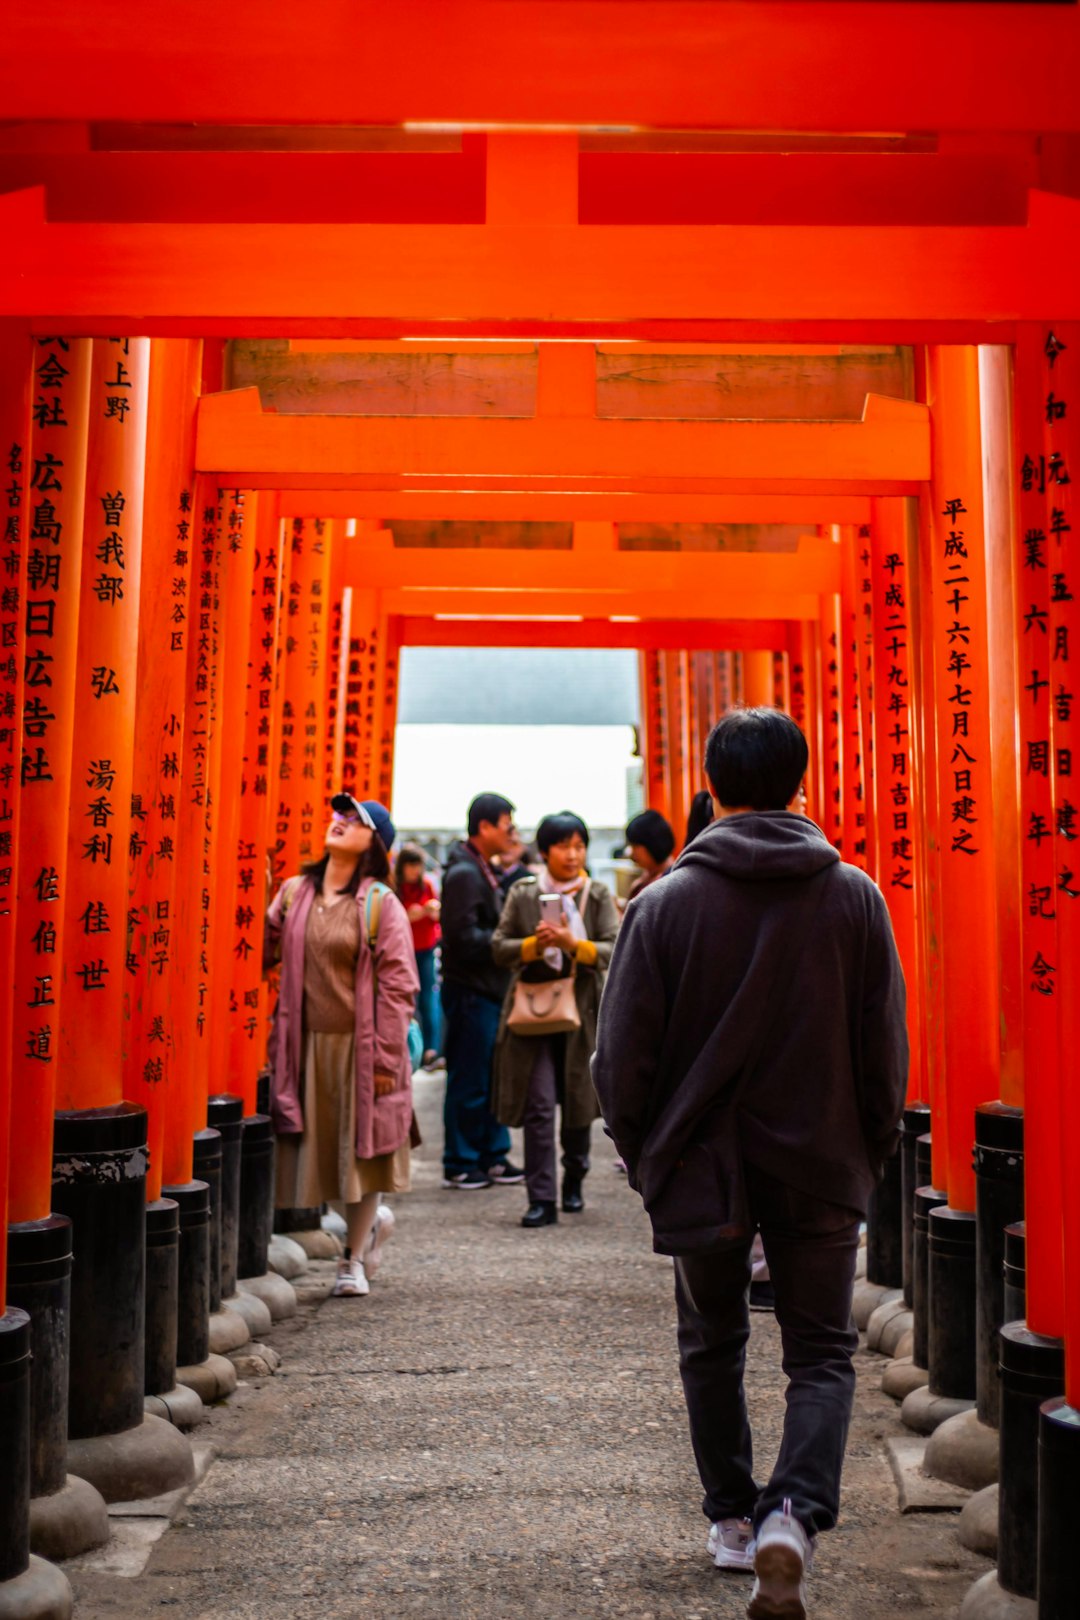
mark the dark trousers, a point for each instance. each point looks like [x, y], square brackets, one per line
[810, 1246]
[427, 1000]
[473, 1137]
[545, 1091]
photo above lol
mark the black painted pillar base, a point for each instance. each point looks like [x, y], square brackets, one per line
[926, 1199]
[1015, 1273]
[884, 1229]
[297, 1220]
[207, 1168]
[29, 1587]
[225, 1114]
[951, 1316]
[162, 1284]
[192, 1344]
[1059, 1470]
[256, 1195]
[915, 1124]
[999, 1200]
[1032, 1372]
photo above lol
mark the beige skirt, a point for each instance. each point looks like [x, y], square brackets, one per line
[321, 1167]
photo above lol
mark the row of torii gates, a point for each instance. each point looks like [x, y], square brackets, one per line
[295, 373]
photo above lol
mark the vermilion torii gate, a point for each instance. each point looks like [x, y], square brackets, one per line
[294, 372]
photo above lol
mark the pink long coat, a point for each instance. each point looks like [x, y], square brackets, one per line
[382, 1019]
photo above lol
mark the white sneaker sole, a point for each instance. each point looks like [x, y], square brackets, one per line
[740, 1563]
[385, 1222]
[778, 1591]
[467, 1186]
[348, 1291]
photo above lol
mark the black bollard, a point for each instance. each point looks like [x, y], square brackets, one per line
[162, 1284]
[14, 1444]
[926, 1199]
[924, 1161]
[99, 1181]
[916, 1120]
[39, 1283]
[1032, 1372]
[951, 1316]
[884, 1229]
[256, 1195]
[1015, 1274]
[192, 1199]
[225, 1113]
[297, 1220]
[207, 1168]
[1059, 1470]
[999, 1200]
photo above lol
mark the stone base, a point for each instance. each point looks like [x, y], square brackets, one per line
[180, 1405]
[286, 1257]
[917, 1492]
[866, 1299]
[228, 1331]
[256, 1361]
[905, 1346]
[71, 1521]
[335, 1223]
[255, 1314]
[147, 1460]
[987, 1600]
[924, 1412]
[39, 1593]
[211, 1379]
[964, 1451]
[275, 1293]
[978, 1527]
[318, 1245]
[901, 1376]
[887, 1326]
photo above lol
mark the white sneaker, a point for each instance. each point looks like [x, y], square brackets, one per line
[381, 1232]
[731, 1544]
[350, 1282]
[783, 1556]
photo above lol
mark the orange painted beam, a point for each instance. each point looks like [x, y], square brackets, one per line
[651, 63]
[703, 635]
[603, 602]
[890, 445]
[531, 276]
[569, 505]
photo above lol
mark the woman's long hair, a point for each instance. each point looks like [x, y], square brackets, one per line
[408, 855]
[374, 862]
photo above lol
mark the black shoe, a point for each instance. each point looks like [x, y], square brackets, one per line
[467, 1180]
[762, 1297]
[505, 1174]
[572, 1201]
[540, 1215]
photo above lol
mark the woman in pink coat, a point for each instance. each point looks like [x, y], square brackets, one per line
[341, 1078]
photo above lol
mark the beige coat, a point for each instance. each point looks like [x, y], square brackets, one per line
[515, 1054]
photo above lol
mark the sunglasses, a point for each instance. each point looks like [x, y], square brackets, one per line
[358, 817]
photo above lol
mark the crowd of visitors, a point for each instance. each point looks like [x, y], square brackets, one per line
[741, 1028]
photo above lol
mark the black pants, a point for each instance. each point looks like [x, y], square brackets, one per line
[810, 1246]
[546, 1088]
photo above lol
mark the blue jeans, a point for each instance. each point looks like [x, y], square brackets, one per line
[473, 1137]
[427, 1000]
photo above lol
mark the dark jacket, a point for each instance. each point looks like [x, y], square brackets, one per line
[696, 957]
[516, 1054]
[470, 911]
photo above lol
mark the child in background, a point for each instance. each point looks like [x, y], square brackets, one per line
[418, 895]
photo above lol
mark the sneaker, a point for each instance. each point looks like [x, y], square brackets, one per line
[468, 1180]
[381, 1233]
[350, 1282]
[506, 1174]
[762, 1296]
[782, 1558]
[731, 1544]
[620, 1166]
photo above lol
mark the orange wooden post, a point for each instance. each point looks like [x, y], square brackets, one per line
[705, 673]
[898, 809]
[725, 683]
[654, 720]
[803, 705]
[55, 521]
[781, 681]
[854, 835]
[361, 607]
[757, 679]
[675, 711]
[302, 771]
[693, 723]
[16, 355]
[968, 940]
[339, 611]
[830, 638]
[387, 709]
[1040, 573]
[867, 671]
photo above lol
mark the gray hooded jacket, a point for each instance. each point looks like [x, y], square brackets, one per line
[692, 972]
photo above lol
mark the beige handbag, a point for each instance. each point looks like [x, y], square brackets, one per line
[544, 1009]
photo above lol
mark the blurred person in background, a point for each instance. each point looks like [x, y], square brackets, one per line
[702, 811]
[537, 1073]
[418, 895]
[650, 844]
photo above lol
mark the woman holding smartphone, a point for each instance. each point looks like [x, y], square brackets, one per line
[560, 926]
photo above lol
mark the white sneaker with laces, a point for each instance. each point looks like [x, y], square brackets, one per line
[731, 1544]
[782, 1558]
[381, 1232]
[350, 1282]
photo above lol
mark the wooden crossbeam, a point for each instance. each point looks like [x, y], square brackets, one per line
[532, 505]
[732, 635]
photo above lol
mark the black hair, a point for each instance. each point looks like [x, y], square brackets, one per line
[653, 832]
[756, 758]
[487, 807]
[701, 815]
[374, 862]
[408, 855]
[558, 828]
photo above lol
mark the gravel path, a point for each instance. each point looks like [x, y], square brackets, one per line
[498, 1432]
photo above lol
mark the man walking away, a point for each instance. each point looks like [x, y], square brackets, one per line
[753, 1028]
[475, 1145]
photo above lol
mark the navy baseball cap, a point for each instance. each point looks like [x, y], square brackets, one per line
[370, 812]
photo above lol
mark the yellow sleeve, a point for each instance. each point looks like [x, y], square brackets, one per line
[585, 952]
[530, 951]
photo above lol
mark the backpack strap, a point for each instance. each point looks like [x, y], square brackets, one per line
[373, 912]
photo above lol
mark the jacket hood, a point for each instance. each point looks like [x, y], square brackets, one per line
[760, 845]
[457, 852]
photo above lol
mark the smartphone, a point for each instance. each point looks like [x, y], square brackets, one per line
[551, 910]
